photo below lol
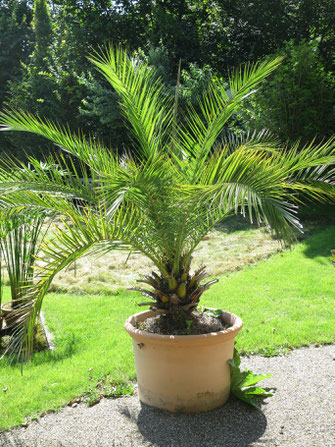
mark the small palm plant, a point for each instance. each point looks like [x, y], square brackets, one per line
[177, 184]
[20, 238]
[19, 244]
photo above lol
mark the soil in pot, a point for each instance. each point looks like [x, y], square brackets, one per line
[195, 323]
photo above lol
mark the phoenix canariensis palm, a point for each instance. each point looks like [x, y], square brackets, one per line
[176, 185]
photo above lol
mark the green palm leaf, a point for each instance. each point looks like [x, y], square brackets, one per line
[142, 99]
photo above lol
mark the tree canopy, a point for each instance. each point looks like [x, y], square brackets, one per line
[44, 45]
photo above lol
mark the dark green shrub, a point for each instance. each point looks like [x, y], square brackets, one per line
[297, 102]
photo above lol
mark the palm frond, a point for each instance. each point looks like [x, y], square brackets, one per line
[217, 105]
[143, 102]
[86, 148]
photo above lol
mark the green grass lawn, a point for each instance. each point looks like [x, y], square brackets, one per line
[285, 301]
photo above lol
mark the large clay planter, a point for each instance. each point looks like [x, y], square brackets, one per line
[183, 373]
[6, 311]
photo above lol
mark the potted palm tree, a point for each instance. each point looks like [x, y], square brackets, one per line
[162, 199]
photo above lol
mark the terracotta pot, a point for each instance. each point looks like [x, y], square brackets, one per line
[6, 308]
[6, 311]
[183, 373]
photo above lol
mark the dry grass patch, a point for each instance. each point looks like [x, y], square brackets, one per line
[108, 274]
[228, 248]
[225, 251]
[231, 246]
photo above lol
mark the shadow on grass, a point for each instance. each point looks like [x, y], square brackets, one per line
[234, 224]
[68, 348]
[319, 222]
[320, 244]
[318, 225]
[235, 424]
[50, 356]
[313, 217]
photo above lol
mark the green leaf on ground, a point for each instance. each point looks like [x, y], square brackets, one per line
[242, 381]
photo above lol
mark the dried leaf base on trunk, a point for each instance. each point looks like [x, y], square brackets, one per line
[183, 373]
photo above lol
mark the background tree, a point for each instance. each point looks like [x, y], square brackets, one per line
[43, 33]
[297, 102]
[247, 30]
[44, 46]
[15, 37]
[36, 88]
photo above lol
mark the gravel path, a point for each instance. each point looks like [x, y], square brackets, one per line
[301, 414]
